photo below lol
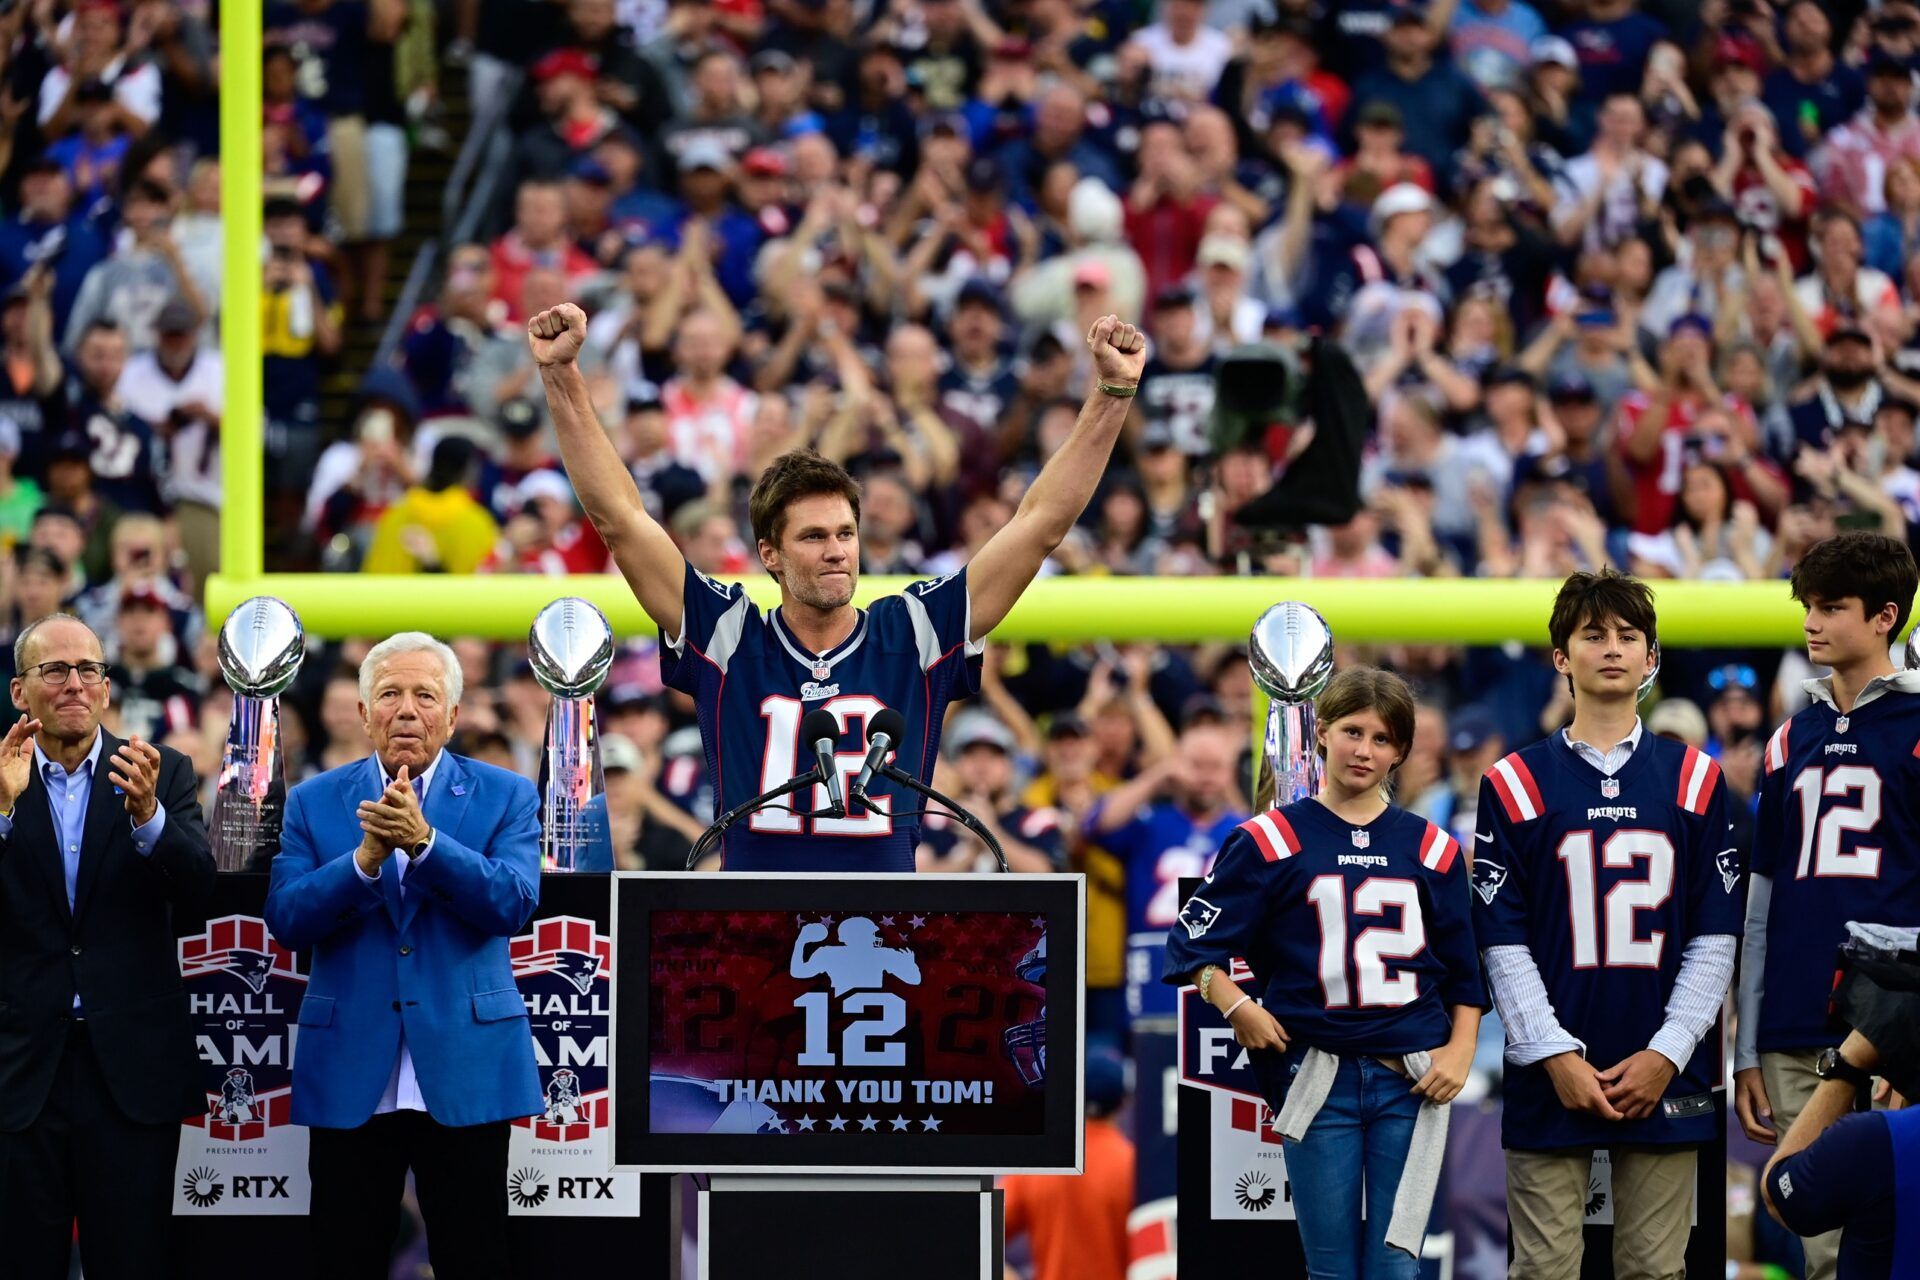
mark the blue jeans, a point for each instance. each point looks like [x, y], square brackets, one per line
[1359, 1139]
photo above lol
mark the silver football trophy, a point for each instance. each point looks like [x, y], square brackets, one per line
[1291, 653]
[1913, 649]
[261, 648]
[571, 645]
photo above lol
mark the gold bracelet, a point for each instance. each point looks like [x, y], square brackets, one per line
[1121, 389]
[1206, 978]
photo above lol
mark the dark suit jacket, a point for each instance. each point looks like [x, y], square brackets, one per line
[116, 947]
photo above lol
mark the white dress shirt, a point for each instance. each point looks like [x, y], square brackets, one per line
[403, 1087]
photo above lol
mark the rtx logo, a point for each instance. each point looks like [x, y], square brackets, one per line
[527, 1188]
[584, 1188]
[203, 1187]
[260, 1187]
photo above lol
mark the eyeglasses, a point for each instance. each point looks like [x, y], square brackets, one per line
[55, 673]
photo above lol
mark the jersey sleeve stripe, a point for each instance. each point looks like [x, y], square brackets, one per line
[1696, 780]
[1515, 785]
[1777, 747]
[1273, 835]
[1437, 850]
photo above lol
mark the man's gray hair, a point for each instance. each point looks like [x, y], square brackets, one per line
[26, 634]
[453, 683]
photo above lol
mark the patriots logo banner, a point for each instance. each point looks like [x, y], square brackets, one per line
[243, 994]
[1488, 878]
[563, 966]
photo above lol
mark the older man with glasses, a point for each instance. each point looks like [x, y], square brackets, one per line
[101, 843]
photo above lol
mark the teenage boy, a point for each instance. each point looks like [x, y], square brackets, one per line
[1607, 905]
[1835, 834]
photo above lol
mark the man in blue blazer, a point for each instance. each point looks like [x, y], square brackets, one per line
[405, 875]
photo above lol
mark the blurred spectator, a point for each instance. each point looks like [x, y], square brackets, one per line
[358, 478]
[50, 227]
[1436, 102]
[1176, 387]
[130, 286]
[1852, 162]
[980, 752]
[1841, 289]
[465, 329]
[538, 239]
[41, 580]
[574, 119]
[29, 400]
[649, 831]
[1493, 40]
[436, 526]
[1606, 192]
[180, 388]
[1181, 55]
[100, 56]
[154, 694]
[1656, 430]
[138, 561]
[1811, 92]
[346, 50]
[548, 534]
[300, 331]
[115, 445]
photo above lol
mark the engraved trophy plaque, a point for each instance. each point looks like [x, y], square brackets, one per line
[571, 646]
[261, 647]
[1291, 653]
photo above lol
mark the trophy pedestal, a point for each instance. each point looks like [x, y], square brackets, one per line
[851, 1227]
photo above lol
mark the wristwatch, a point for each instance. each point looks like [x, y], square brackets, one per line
[1831, 1066]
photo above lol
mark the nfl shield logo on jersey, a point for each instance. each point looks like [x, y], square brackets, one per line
[1610, 788]
[1198, 915]
[1361, 839]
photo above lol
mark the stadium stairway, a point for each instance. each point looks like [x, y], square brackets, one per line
[427, 172]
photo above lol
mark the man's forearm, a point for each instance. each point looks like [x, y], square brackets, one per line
[604, 485]
[1066, 484]
[1831, 1100]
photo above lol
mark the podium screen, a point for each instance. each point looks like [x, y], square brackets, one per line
[848, 1022]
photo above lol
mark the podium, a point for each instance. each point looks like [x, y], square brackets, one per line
[850, 1059]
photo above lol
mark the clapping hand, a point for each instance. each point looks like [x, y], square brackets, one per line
[16, 761]
[136, 771]
[392, 822]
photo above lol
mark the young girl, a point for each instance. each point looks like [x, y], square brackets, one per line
[1353, 915]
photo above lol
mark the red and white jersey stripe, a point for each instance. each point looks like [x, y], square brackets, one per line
[1273, 834]
[1777, 747]
[1698, 776]
[1519, 793]
[1438, 850]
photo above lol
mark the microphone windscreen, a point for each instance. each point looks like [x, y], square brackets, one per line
[820, 723]
[889, 722]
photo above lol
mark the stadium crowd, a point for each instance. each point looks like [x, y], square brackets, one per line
[1629, 283]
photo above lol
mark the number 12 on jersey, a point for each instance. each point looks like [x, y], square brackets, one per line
[1379, 987]
[781, 761]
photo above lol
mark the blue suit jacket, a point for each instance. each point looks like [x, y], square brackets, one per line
[436, 964]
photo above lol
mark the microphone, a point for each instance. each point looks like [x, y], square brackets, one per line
[884, 732]
[822, 730]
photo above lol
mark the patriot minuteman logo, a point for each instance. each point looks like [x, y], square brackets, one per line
[563, 968]
[243, 990]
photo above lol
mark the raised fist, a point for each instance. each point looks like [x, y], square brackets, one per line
[1119, 350]
[557, 334]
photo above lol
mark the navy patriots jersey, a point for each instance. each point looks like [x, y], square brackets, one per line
[1838, 831]
[752, 683]
[1605, 881]
[1359, 938]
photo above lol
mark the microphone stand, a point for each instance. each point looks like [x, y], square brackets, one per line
[711, 836]
[893, 773]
